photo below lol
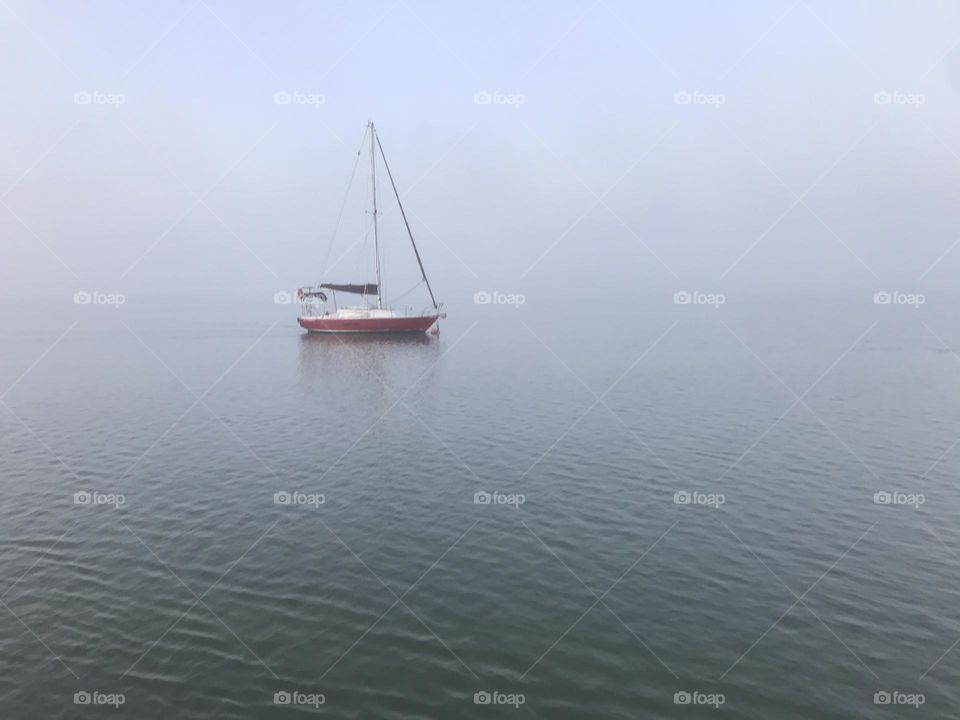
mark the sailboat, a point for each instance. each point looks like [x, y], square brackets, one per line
[319, 315]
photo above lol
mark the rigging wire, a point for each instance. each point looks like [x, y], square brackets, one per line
[343, 205]
[405, 222]
[401, 297]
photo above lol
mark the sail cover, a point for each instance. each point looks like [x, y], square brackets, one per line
[368, 289]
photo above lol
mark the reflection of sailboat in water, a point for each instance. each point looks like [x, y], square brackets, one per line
[361, 359]
[317, 317]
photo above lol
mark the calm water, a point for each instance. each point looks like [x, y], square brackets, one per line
[399, 596]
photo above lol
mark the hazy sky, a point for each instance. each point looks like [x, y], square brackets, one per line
[626, 145]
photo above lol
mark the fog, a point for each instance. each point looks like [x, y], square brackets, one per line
[611, 147]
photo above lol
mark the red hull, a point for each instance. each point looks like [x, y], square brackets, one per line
[368, 325]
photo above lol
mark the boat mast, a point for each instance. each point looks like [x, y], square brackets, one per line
[376, 237]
